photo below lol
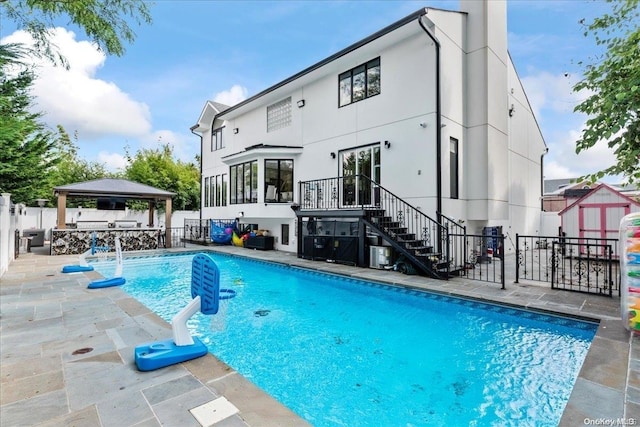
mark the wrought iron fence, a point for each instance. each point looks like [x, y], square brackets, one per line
[197, 230]
[177, 237]
[572, 263]
[478, 257]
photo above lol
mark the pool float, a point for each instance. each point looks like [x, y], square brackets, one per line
[221, 234]
[237, 240]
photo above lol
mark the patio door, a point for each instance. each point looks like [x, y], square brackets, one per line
[360, 171]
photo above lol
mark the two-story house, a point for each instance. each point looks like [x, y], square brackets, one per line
[426, 117]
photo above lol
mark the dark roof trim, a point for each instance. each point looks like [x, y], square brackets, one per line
[415, 15]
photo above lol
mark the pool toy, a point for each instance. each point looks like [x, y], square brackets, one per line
[237, 240]
[630, 272]
[83, 265]
[221, 234]
[206, 294]
[117, 279]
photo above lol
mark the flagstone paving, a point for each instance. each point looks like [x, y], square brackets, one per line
[67, 351]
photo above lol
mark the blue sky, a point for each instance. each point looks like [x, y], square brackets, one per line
[229, 50]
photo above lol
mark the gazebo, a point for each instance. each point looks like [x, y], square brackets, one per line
[115, 191]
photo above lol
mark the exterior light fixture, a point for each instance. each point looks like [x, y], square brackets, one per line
[236, 130]
[301, 103]
[240, 214]
[333, 155]
[512, 110]
[387, 144]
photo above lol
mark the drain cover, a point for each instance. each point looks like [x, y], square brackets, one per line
[82, 351]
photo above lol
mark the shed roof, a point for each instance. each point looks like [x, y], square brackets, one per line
[601, 187]
[112, 187]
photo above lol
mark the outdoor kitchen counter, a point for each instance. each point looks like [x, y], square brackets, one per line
[71, 241]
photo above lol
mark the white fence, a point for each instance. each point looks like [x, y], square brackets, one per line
[21, 218]
[9, 222]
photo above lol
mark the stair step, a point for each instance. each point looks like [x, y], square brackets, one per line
[406, 237]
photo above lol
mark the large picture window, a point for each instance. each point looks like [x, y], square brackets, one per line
[278, 181]
[359, 83]
[244, 183]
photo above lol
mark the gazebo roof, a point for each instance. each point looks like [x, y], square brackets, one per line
[111, 187]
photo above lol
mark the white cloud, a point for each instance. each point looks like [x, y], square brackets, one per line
[78, 100]
[112, 161]
[552, 92]
[232, 96]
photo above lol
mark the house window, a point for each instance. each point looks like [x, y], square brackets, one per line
[453, 168]
[216, 139]
[279, 115]
[278, 181]
[359, 83]
[244, 183]
[218, 190]
[206, 192]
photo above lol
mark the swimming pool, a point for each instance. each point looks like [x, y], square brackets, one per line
[344, 352]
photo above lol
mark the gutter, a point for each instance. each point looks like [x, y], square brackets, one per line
[192, 128]
[438, 123]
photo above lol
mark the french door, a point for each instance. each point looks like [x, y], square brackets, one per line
[360, 172]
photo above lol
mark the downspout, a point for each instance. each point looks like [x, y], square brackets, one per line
[191, 129]
[546, 150]
[438, 126]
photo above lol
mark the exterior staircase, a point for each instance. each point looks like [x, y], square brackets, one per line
[421, 239]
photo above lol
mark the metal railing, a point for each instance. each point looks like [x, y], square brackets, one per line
[197, 230]
[571, 263]
[177, 237]
[407, 228]
[481, 257]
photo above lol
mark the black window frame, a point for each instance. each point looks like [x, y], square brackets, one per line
[240, 174]
[217, 143]
[279, 179]
[366, 92]
[454, 168]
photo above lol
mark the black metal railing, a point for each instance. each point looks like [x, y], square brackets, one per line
[571, 263]
[196, 230]
[457, 243]
[176, 234]
[483, 259]
[410, 231]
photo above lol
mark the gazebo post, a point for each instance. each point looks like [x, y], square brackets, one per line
[62, 211]
[152, 205]
[167, 222]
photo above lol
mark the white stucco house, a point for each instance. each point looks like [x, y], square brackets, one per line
[425, 117]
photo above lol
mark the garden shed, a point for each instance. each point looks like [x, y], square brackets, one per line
[597, 214]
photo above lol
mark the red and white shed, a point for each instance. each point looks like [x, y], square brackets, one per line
[597, 214]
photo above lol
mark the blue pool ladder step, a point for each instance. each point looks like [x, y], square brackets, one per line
[206, 294]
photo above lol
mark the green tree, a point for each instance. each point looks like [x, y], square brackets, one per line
[72, 168]
[106, 22]
[157, 168]
[614, 84]
[27, 147]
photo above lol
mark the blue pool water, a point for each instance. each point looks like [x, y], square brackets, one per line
[343, 352]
